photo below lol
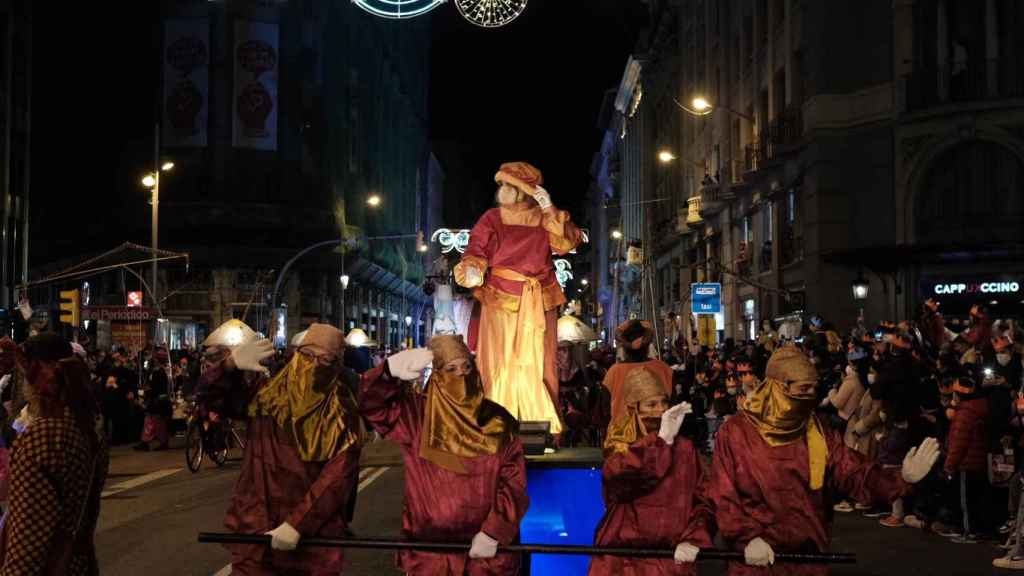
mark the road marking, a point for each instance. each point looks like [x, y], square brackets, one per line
[366, 477]
[139, 481]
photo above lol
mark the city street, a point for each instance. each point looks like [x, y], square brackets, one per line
[153, 508]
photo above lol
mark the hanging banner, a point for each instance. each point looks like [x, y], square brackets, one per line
[256, 59]
[186, 91]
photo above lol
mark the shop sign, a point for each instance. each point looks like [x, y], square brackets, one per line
[118, 313]
[968, 288]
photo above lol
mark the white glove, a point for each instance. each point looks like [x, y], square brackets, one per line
[759, 553]
[26, 310]
[918, 462]
[542, 197]
[284, 537]
[410, 364]
[483, 546]
[249, 355]
[672, 420]
[473, 277]
[686, 553]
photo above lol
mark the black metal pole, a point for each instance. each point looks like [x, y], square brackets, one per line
[384, 544]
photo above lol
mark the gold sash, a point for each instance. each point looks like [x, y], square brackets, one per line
[529, 319]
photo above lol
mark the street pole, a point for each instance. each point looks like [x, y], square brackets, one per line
[156, 218]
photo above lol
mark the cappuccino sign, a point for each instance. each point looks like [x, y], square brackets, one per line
[967, 288]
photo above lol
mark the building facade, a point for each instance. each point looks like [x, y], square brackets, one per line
[283, 119]
[876, 140]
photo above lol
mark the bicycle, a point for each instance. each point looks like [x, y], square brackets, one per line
[213, 437]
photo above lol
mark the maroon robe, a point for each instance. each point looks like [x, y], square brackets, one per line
[654, 498]
[276, 486]
[441, 505]
[764, 491]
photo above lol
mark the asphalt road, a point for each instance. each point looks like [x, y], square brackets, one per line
[154, 507]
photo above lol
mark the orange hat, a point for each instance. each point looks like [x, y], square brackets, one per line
[521, 175]
[635, 334]
[1001, 343]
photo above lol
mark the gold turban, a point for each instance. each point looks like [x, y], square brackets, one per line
[458, 422]
[782, 418]
[521, 175]
[628, 427]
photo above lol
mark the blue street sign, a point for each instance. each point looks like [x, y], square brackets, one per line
[706, 298]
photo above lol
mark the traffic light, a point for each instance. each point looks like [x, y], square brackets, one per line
[69, 307]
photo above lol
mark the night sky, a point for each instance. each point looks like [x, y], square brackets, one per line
[529, 91]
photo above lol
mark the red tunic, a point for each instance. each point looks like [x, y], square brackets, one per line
[441, 505]
[654, 499]
[276, 486]
[763, 491]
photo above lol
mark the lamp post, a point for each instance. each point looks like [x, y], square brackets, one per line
[152, 181]
[701, 107]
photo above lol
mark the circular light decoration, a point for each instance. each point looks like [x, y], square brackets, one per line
[490, 13]
[563, 271]
[398, 9]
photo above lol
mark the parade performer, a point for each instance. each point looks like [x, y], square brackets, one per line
[508, 265]
[301, 459]
[634, 336]
[465, 474]
[59, 464]
[221, 390]
[651, 479]
[775, 469]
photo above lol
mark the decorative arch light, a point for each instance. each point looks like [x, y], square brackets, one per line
[451, 239]
[398, 9]
[490, 13]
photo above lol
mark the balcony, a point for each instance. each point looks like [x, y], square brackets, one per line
[785, 132]
[693, 217]
[961, 82]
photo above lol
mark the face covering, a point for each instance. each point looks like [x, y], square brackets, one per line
[872, 378]
[1003, 359]
[507, 195]
[732, 390]
[850, 371]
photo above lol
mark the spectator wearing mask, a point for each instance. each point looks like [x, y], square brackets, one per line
[865, 425]
[966, 456]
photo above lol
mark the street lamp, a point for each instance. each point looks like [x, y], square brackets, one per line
[861, 288]
[344, 281]
[373, 201]
[665, 156]
[616, 235]
[584, 281]
[700, 106]
[152, 181]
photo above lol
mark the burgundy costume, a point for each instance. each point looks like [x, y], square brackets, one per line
[653, 496]
[442, 505]
[763, 491]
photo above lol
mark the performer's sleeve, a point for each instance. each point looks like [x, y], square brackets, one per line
[328, 494]
[35, 508]
[740, 519]
[563, 235]
[510, 501]
[386, 406]
[700, 528]
[862, 479]
[635, 472]
[482, 244]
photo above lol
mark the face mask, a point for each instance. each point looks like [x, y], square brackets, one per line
[850, 371]
[1003, 359]
[871, 378]
[732, 391]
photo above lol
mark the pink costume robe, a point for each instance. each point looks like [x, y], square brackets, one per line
[654, 498]
[441, 505]
[763, 491]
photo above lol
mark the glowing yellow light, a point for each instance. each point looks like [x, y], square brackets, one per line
[665, 156]
[167, 167]
[584, 281]
[700, 104]
[148, 181]
[373, 201]
[616, 234]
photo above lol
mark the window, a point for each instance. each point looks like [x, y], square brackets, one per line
[791, 213]
[768, 232]
[750, 318]
[748, 230]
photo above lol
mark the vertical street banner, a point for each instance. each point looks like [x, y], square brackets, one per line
[186, 88]
[256, 59]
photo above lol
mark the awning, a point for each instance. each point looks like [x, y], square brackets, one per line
[362, 270]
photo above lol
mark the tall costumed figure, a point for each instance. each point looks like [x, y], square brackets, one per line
[508, 265]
